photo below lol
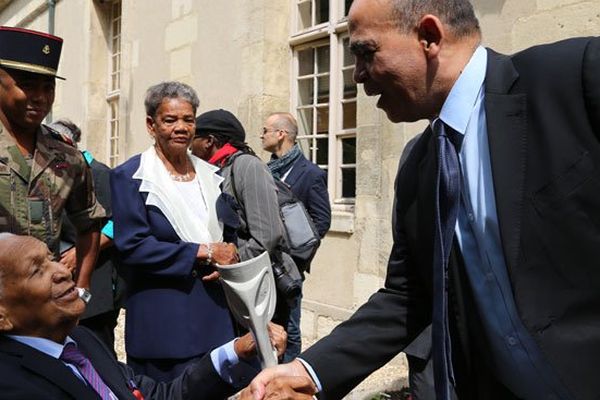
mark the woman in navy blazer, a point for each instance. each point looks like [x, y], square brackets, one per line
[169, 237]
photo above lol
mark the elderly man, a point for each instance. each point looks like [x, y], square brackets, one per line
[41, 176]
[43, 355]
[497, 211]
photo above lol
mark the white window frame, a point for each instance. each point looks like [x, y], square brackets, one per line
[333, 32]
[114, 84]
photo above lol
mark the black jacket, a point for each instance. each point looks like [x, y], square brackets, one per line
[543, 120]
[26, 373]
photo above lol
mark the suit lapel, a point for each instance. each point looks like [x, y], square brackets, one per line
[297, 170]
[103, 362]
[506, 124]
[50, 368]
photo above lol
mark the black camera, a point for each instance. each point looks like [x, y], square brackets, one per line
[288, 286]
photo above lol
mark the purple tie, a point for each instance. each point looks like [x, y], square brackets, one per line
[72, 355]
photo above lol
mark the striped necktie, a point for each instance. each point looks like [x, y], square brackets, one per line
[72, 355]
[448, 182]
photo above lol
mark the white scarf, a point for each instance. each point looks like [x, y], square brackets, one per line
[163, 194]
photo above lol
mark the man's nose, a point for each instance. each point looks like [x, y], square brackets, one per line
[60, 272]
[360, 73]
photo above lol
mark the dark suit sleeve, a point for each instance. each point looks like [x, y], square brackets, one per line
[381, 328]
[591, 83]
[199, 381]
[134, 236]
[318, 205]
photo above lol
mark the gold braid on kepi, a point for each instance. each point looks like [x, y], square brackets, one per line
[31, 51]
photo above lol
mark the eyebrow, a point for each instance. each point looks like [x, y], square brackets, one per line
[360, 46]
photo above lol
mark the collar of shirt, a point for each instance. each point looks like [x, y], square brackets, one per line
[458, 107]
[46, 346]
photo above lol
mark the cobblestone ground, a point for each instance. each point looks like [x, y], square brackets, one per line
[392, 377]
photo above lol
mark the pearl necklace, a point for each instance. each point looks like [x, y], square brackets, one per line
[181, 178]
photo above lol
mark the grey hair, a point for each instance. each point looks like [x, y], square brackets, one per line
[3, 236]
[169, 90]
[457, 14]
[286, 122]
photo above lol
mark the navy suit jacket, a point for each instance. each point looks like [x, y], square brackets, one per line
[309, 184]
[26, 373]
[543, 120]
[171, 312]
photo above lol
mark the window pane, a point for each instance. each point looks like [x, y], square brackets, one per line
[306, 62]
[322, 151]
[305, 145]
[304, 18]
[347, 6]
[348, 56]
[305, 91]
[349, 85]
[323, 89]
[322, 120]
[349, 151]
[323, 59]
[349, 115]
[348, 182]
[322, 10]
[305, 121]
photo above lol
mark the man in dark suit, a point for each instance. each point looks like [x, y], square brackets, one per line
[106, 285]
[519, 293]
[309, 183]
[43, 355]
[306, 179]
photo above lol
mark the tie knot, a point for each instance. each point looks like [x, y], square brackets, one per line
[72, 355]
[444, 130]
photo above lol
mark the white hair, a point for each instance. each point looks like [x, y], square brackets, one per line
[3, 236]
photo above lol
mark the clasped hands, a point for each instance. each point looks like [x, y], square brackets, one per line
[288, 381]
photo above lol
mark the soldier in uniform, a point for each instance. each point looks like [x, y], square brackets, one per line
[41, 175]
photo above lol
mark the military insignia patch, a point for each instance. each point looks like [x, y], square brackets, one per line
[61, 163]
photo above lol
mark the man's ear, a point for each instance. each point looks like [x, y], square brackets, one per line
[5, 322]
[431, 34]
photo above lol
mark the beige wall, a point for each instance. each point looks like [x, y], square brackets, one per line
[236, 54]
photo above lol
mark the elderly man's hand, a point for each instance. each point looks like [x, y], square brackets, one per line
[284, 381]
[245, 347]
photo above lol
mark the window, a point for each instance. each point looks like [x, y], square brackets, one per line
[114, 83]
[324, 92]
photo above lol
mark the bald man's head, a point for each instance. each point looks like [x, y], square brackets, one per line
[37, 294]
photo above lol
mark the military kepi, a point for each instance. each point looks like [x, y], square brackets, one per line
[28, 50]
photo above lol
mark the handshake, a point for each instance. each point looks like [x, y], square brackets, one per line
[289, 381]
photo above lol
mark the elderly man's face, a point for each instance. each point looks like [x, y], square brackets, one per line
[389, 63]
[38, 296]
[25, 98]
[173, 125]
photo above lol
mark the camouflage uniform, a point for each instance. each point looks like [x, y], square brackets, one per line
[34, 193]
